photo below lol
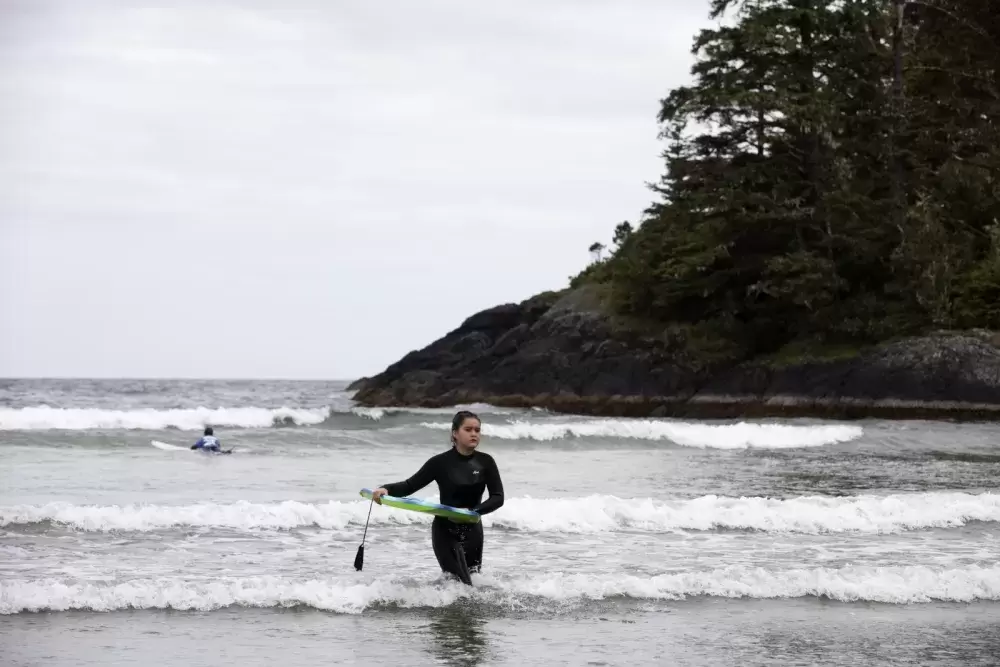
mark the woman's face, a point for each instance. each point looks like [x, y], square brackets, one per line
[467, 435]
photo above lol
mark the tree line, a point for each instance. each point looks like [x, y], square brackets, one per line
[832, 173]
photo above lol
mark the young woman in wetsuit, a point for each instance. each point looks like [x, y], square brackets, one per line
[462, 474]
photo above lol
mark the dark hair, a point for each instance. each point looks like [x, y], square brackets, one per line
[459, 419]
[208, 430]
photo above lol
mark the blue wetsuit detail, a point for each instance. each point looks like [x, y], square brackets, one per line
[208, 442]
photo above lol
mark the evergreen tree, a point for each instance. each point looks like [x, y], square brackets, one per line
[832, 171]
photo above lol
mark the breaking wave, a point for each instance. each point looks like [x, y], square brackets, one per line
[743, 435]
[193, 419]
[378, 414]
[893, 585]
[592, 514]
[45, 417]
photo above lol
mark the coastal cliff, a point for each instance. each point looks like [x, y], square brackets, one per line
[825, 239]
[565, 352]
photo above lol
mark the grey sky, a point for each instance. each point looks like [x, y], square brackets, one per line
[309, 189]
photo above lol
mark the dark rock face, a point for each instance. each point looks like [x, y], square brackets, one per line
[561, 352]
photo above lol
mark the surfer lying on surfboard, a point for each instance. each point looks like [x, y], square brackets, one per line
[462, 474]
[209, 443]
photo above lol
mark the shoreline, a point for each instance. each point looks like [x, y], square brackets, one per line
[716, 406]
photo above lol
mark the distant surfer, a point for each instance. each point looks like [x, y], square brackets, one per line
[462, 474]
[209, 443]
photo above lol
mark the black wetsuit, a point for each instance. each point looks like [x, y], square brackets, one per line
[461, 481]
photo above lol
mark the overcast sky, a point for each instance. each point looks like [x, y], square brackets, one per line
[309, 189]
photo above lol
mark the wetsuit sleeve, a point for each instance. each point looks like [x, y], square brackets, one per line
[198, 444]
[494, 485]
[420, 479]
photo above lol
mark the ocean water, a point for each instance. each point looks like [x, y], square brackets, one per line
[659, 541]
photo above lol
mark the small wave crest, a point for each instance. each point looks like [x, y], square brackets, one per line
[742, 435]
[378, 414]
[240, 515]
[80, 419]
[893, 585]
[807, 514]
[592, 514]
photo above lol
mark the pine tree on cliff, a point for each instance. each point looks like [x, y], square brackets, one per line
[843, 179]
[949, 255]
[746, 230]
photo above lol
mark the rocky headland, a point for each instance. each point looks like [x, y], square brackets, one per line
[565, 352]
[824, 240]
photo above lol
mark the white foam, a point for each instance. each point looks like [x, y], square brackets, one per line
[592, 514]
[240, 515]
[377, 414]
[79, 419]
[898, 585]
[809, 514]
[374, 414]
[348, 594]
[742, 435]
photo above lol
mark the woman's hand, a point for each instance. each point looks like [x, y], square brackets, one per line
[378, 493]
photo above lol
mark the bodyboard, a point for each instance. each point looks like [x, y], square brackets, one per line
[456, 514]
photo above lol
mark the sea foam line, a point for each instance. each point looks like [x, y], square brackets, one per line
[378, 414]
[591, 514]
[743, 435]
[349, 594]
[191, 419]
